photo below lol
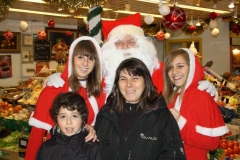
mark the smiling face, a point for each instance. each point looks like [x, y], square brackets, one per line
[83, 66]
[131, 86]
[69, 122]
[178, 73]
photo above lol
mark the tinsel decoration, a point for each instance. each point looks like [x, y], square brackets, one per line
[152, 29]
[73, 4]
[95, 30]
[199, 29]
[4, 6]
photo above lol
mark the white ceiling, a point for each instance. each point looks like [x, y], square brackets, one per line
[136, 6]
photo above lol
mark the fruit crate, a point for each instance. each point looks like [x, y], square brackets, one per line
[19, 125]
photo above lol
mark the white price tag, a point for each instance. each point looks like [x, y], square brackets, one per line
[23, 143]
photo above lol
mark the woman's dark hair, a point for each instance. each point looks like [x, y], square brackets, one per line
[134, 67]
[71, 101]
[87, 48]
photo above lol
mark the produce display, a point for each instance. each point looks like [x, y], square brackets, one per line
[9, 139]
[8, 111]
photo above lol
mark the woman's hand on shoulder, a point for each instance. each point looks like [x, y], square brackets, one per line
[91, 133]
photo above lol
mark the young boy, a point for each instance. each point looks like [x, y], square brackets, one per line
[67, 142]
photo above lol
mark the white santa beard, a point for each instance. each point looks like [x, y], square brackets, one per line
[112, 57]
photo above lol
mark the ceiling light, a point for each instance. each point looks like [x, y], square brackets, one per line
[38, 12]
[35, 1]
[143, 14]
[189, 7]
[231, 5]
[235, 51]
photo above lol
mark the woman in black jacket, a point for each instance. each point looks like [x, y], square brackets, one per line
[135, 123]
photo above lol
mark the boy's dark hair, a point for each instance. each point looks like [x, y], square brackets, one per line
[71, 101]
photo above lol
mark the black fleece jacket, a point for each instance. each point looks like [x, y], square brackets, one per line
[62, 147]
[154, 136]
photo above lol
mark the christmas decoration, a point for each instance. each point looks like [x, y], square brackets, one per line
[164, 9]
[199, 29]
[68, 33]
[236, 29]
[95, 30]
[4, 6]
[175, 20]
[160, 35]
[73, 4]
[213, 15]
[215, 32]
[23, 26]
[8, 35]
[192, 28]
[151, 30]
[149, 19]
[51, 23]
[167, 35]
[41, 35]
[213, 24]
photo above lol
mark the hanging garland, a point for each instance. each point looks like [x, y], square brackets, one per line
[73, 4]
[96, 29]
[4, 6]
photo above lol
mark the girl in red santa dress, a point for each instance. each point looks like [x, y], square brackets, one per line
[198, 117]
[82, 74]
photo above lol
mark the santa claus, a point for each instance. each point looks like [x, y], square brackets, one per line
[124, 38]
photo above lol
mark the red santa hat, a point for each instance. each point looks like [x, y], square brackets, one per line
[126, 25]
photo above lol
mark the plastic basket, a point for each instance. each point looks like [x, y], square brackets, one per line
[12, 124]
[19, 125]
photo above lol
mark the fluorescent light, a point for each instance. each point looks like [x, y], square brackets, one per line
[38, 12]
[86, 17]
[35, 1]
[189, 7]
[144, 14]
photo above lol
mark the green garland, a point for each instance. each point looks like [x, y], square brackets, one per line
[95, 30]
[4, 6]
[98, 10]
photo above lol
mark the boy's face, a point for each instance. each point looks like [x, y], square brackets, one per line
[69, 122]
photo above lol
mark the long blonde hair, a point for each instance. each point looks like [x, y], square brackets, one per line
[170, 90]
